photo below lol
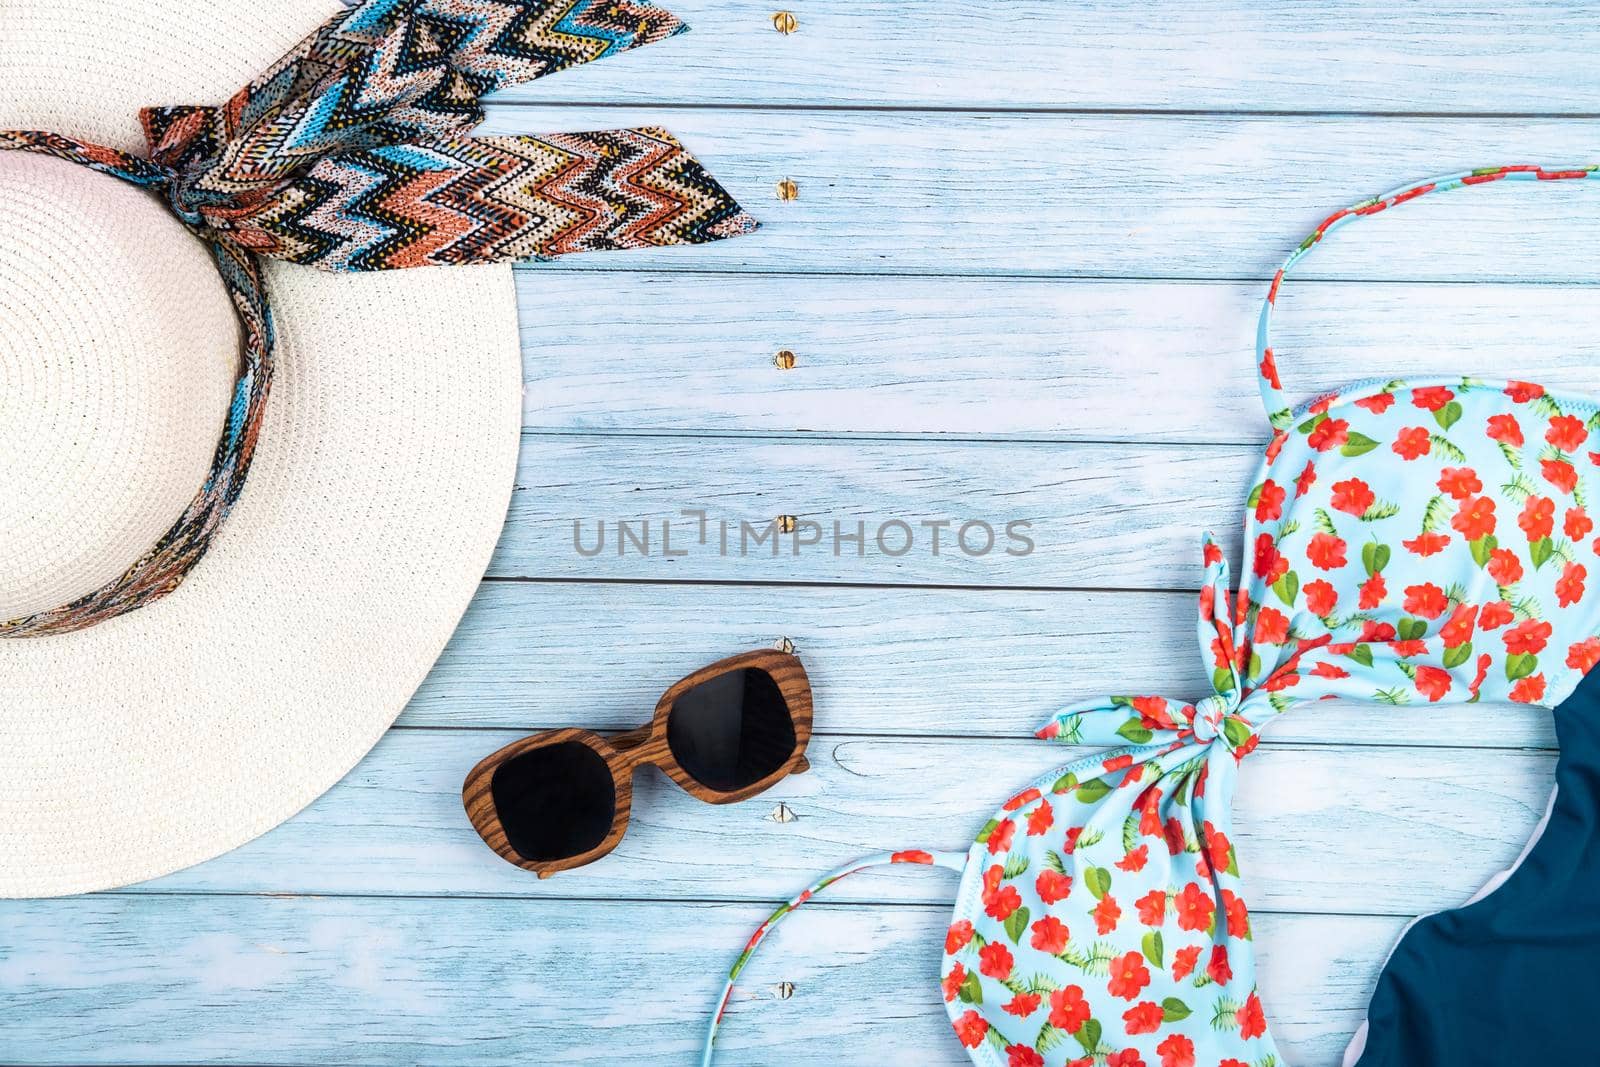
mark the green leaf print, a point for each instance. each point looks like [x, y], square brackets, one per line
[1098, 879]
[1287, 587]
[1362, 654]
[1380, 510]
[1092, 790]
[1135, 731]
[1153, 949]
[1235, 731]
[1049, 1038]
[1017, 925]
[1519, 665]
[1088, 1035]
[988, 831]
[1357, 444]
[1130, 832]
[1393, 697]
[1016, 866]
[1482, 547]
[1518, 489]
[1411, 629]
[1065, 784]
[1448, 415]
[1225, 1016]
[1324, 523]
[1053, 860]
[971, 991]
[1374, 557]
[1437, 513]
[1255, 496]
[1513, 457]
[1222, 680]
[1455, 657]
[1173, 1010]
[1446, 448]
[1312, 423]
[1540, 551]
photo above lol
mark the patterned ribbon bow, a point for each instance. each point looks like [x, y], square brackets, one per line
[350, 154]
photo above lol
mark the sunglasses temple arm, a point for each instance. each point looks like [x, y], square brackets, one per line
[954, 861]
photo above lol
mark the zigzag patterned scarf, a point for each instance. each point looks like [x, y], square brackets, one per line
[351, 154]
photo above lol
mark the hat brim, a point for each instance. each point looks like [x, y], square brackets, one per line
[380, 483]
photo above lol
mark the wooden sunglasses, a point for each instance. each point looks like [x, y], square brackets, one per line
[561, 799]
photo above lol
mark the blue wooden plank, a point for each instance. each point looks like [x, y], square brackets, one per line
[395, 825]
[254, 980]
[1135, 196]
[1345, 55]
[1020, 358]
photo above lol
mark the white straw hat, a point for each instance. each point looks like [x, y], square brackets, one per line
[173, 733]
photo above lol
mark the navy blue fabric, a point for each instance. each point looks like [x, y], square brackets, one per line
[1512, 979]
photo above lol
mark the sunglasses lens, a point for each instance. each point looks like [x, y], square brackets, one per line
[555, 802]
[731, 731]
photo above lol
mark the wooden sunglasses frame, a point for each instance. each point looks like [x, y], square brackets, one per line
[626, 753]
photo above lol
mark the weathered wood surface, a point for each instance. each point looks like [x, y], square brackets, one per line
[1428, 824]
[1008, 358]
[1352, 55]
[541, 655]
[1206, 197]
[269, 980]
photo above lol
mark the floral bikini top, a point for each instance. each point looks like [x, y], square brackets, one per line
[1418, 542]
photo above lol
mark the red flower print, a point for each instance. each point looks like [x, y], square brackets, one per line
[1433, 683]
[1567, 433]
[1040, 819]
[1584, 655]
[1218, 969]
[912, 855]
[1217, 846]
[1002, 902]
[1052, 886]
[1484, 661]
[1459, 482]
[1328, 670]
[995, 961]
[1173, 832]
[1154, 712]
[1269, 564]
[1000, 837]
[1412, 443]
[1353, 496]
[1022, 799]
[1559, 473]
[1329, 434]
[1194, 908]
[1070, 842]
[1506, 430]
[1475, 519]
[1252, 1020]
[1432, 398]
[1538, 517]
[1569, 587]
[1458, 629]
[1269, 501]
[1495, 614]
[1272, 627]
[1106, 914]
[1407, 649]
[1022, 1005]
[1504, 567]
[1144, 1017]
[1528, 638]
[1068, 1009]
[1578, 524]
[971, 1029]
[1023, 1056]
[1373, 590]
[1377, 403]
[1049, 935]
[1307, 479]
[1427, 544]
[1128, 1057]
[1321, 598]
[1135, 859]
[1373, 630]
[1129, 975]
[1153, 905]
[952, 982]
[1230, 1062]
[1427, 601]
[957, 937]
[1528, 691]
[1176, 1051]
[1522, 392]
[1183, 962]
[1238, 914]
[1325, 551]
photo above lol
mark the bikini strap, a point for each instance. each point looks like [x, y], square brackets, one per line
[1279, 412]
[954, 861]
